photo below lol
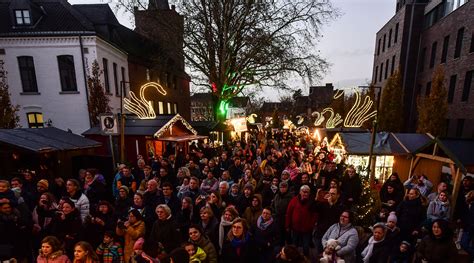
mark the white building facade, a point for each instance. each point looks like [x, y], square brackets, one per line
[59, 97]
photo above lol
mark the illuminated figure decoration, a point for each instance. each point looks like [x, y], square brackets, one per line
[300, 119]
[360, 112]
[140, 106]
[302, 130]
[333, 121]
[251, 118]
[338, 94]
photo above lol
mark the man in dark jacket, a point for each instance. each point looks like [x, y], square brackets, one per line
[279, 205]
[165, 230]
[351, 187]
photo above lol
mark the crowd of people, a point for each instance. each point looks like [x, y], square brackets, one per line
[274, 198]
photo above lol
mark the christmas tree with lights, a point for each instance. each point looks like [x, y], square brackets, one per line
[366, 208]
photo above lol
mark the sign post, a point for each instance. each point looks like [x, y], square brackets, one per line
[109, 126]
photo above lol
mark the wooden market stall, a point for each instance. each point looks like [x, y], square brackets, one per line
[454, 154]
[392, 151]
[161, 136]
[48, 151]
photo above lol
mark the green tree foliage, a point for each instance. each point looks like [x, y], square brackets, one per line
[366, 208]
[432, 109]
[8, 113]
[390, 117]
[98, 100]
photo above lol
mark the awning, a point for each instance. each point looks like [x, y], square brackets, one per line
[182, 138]
[45, 140]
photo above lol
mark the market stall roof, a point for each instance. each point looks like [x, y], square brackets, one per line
[135, 126]
[182, 138]
[357, 143]
[45, 140]
[458, 150]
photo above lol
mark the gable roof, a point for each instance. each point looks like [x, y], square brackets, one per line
[45, 139]
[56, 17]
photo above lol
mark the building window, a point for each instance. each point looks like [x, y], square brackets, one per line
[422, 60]
[390, 38]
[452, 88]
[471, 49]
[27, 74]
[467, 85]
[459, 127]
[116, 82]
[381, 70]
[105, 65]
[428, 89]
[384, 41]
[175, 106]
[444, 53]
[396, 34]
[386, 70]
[460, 36]
[35, 120]
[67, 73]
[378, 48]
[434, 47]
[168, 106]
[123, 81]
[160, 107]
[22, 17]
[393, 65]
[376, 73]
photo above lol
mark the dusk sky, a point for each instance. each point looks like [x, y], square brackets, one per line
[347, 43]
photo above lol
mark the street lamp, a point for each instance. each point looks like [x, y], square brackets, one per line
[372, 140]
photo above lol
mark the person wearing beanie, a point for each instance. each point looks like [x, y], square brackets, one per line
[125, 188]
[402, 254]
[109, 250]
[42, 186]
[393, 232]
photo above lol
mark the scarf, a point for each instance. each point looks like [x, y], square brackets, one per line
[264, 225]
[239, 243]
[223, 224]
[367, 253]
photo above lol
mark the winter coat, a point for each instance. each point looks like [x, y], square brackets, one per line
[438, 210]
[380, 252]
[410, 215]
[199, 256]
[280, 205]
[247, 253]
[55, 257]
[167, 233]
[267, 239]
[347, 238]
[209, 185]
[81, 202]
[329, 215]
[208, 247]
[351, 187]
[95, 192]
[437, 250]
[68, 230]
[122, 206]
[13, 235]
[300, 216]
[211, 230]
[131, 234]
[110, 253]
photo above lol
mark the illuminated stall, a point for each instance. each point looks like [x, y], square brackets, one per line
[391, 150]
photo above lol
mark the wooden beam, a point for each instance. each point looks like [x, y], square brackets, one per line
[411, 167]
[457, 184]
[436, 158]
[417, 160]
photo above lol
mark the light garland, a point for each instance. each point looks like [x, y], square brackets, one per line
[251, 118]
[338, 94]
[140, 106]
[360, 112]
[170, 123]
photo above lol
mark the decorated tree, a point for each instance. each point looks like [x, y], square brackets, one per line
[237, 45]
[390, 116]
[8, 112]
[432, 109]
[98, 100]
[366, 208]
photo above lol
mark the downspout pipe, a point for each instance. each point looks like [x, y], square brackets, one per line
[85, 79]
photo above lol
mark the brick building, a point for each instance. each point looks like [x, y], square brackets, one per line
[420, 36]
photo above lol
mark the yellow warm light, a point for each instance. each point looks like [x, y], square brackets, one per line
[140, 106]
[251, 118]
[360, 112]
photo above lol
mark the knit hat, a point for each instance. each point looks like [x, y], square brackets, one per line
[248, 186]
[392, 217]
[139, 244]
[125, 188]
[406, 243]
[43, 183]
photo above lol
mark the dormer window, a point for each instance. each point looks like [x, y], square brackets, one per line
[22, 17]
